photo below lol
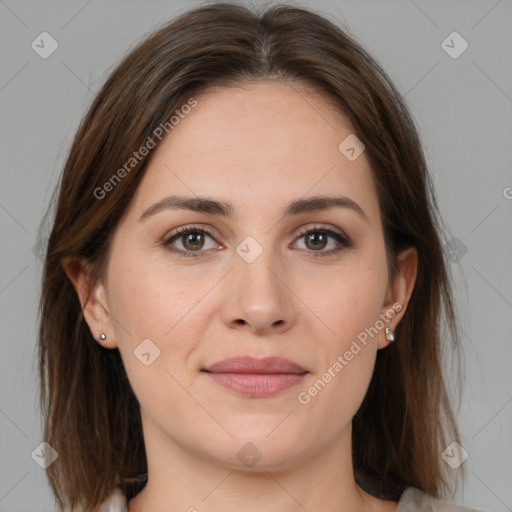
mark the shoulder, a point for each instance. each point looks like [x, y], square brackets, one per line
[416, 500]
[116, 502]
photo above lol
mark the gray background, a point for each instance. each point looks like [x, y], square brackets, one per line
[463, 109]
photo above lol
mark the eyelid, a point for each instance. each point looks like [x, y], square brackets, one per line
[209, 230]
[322, 227]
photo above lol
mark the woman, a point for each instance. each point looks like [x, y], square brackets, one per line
[244, 283]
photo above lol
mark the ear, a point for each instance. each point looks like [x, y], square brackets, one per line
[398, 293]
[94, 304]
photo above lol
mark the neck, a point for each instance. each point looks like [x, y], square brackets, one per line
[179, 479]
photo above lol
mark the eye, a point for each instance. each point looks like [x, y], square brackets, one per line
[317, 238]
[191, 239]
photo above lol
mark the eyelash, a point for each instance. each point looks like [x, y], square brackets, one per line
[344, 241]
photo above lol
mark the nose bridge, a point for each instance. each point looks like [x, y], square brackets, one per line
[256, 294]
[258, 263]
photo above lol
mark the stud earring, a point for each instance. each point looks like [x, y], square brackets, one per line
[390, 335]
[102, 337]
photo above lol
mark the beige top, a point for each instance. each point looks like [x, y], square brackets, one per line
[412, 500]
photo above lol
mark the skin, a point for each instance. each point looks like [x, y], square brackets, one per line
[258, 147]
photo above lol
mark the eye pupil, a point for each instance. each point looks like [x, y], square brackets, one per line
[318, 240]
[193, 238]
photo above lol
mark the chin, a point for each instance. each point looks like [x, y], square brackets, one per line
[259, 455]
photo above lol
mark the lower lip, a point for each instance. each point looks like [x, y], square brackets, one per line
[257, 384]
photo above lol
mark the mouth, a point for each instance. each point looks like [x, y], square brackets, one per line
[253, 377]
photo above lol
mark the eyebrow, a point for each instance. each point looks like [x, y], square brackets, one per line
[224, 209]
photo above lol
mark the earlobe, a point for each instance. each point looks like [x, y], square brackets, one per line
[92, 301]
[398, 294]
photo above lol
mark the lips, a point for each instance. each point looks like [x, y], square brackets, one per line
[247, 364]
[256, 377]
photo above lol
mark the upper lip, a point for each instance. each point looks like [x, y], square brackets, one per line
[248, 364]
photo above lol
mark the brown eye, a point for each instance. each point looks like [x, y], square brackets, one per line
[317, 239]
[193, 240]
[187, 241]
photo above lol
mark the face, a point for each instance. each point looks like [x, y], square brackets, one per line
[185, 289]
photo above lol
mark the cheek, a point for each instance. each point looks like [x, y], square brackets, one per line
[148, 299]
[346, 359]
[154, 321]
[151, 304]
[349, 300]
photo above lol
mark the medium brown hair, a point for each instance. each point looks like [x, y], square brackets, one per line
[91, 415]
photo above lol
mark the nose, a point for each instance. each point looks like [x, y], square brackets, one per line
[257, 297]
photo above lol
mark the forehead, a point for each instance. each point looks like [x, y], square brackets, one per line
[277, 140]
